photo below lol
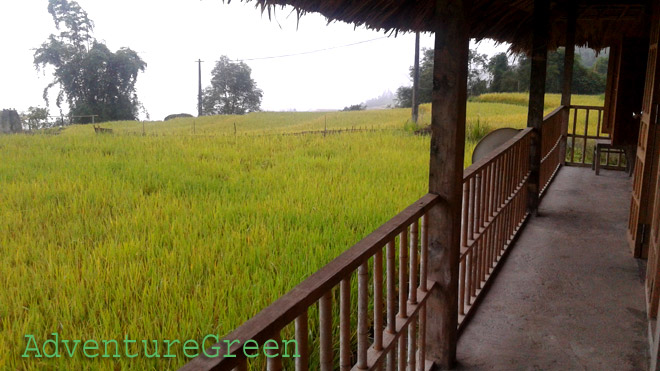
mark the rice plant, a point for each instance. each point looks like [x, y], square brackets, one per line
[179, 229]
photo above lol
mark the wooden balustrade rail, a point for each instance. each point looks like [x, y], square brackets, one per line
[584, 129]
[550, 147]
[494, 208]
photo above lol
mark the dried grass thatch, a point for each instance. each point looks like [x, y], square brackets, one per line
[600, 23]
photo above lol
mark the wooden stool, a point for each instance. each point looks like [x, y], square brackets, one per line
[605, 146]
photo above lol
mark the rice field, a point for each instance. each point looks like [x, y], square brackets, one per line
[195, 226]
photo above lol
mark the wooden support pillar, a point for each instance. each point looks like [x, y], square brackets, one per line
[567, 83]
[415, 89]
[446, 177]
[537, 97]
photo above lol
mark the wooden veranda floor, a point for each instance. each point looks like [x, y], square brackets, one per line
[569, 296]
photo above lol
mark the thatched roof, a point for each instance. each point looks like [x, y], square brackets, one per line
[599, 24]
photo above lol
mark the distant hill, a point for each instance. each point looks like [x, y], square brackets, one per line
[385, 100]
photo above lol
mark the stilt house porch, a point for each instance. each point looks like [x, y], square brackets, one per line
[420, 278]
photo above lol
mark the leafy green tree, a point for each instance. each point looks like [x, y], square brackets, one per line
[504, 76]
[232, 90]
[600, 65]
[477, 73]
[509, 77]
[92, 79]
[477, 78]
[425, 91]
[35, 118]
[585, 80]
[403, 97]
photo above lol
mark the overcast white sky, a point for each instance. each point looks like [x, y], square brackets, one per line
[170, 35]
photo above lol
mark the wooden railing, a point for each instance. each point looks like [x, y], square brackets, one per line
[390, 326]
[585, 125]
[494, 208]
[395, 319]
[550, 147]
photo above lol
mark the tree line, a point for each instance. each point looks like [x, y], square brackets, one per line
[499, 74]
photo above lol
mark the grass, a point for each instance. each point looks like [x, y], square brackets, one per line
[175, 235]
[551, 100]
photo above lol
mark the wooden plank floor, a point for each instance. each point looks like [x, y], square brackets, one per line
[569, 296]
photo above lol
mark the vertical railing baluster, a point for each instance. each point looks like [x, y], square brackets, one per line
[480, 213]
[391, 328]
[413, 280]
[403, 294]
[473, 272]
[274, 363]
[414, 263]
[461, 287]
[498, 183]
[424, 260]
[586, 133]
[464, 213]
[325, 324]
[472, 208]
[401, 356]
[302, 339]
[363, 320]
[345, 324]
[422, 339]
[412, 344]
[489, 195]
[390, 287]
[403, 274]
[574, 135]
[378, 300]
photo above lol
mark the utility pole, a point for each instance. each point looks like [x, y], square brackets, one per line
[415, 89]
[199, 92]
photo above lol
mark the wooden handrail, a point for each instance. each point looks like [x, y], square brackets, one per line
[578, 106]
[554, 112]
[294, 303]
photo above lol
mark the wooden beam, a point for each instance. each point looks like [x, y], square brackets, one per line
[569, 58]
[537, 96]
[446, 177]
[415, 89]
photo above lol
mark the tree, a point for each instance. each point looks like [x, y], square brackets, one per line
[403, 97]
[503, 75]
[232, 90]
[477, 78]
[35, 118]
[355, 107]
[92, 79]
[477, 69]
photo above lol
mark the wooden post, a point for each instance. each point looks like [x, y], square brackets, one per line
[537, 96]
[415, 89]
[446, 177]
[199, 91]
[569, 58]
